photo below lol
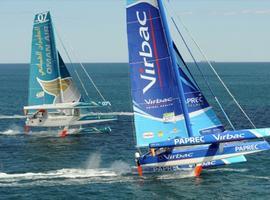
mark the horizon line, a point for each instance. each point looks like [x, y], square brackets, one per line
[121, 62]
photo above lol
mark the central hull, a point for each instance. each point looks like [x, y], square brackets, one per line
[62, 120]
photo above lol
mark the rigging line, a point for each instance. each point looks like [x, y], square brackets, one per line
[83, 86]
[185, 64]
[202, 74]
[82, 66]
[62, 44]
[215, 72]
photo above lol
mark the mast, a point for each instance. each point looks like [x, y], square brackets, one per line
[175, 67]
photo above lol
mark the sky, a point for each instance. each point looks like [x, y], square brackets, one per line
[95, 30]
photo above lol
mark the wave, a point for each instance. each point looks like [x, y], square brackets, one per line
[229, 170]
[12, 130]
[59, 177]
[257, 177]
[62, 173]
[66, 176]
[90, 172]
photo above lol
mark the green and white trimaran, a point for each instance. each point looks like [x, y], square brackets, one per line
[54, 100]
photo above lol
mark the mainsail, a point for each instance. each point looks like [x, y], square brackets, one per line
[159, 113]
[156, 103]
[49, 82]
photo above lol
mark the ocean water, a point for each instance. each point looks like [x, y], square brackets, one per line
[42, 165]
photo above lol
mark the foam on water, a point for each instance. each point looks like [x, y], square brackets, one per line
[243, 170]
[70, 176]
[65, 176]
[12, 130]
[257, 177]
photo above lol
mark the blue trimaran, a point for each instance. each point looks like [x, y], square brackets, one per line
[54, 100]
[172, 117]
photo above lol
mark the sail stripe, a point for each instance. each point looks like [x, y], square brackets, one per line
[155, 49]
[152, 60]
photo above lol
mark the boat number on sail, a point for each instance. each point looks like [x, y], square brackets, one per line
[42, 17]
[146, 53]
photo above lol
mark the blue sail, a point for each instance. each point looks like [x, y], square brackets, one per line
[44, 63]
[156, 102]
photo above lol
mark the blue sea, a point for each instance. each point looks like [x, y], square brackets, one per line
[41, 165]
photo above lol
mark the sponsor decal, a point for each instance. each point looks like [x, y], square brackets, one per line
[220, 137]
[209, 163]
[148, 135]
[166, 169]
[251, 147]
[48, 50]
[158, 101]
[177, 156]
[168, 117]
[195, 101]
[160, 134]
[40, 94]
[189, 140]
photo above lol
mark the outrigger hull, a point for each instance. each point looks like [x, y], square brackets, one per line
[185, 168]
[202, 154]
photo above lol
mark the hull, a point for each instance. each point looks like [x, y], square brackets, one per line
[63, 120]
[202, 154]
[189, 168]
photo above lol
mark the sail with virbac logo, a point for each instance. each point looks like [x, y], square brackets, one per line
[170, 111]
[155, 94]
[156, 103]
[50, 81]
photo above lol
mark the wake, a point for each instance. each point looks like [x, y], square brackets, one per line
[89, 173]
[66, 176]
[12, 130]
